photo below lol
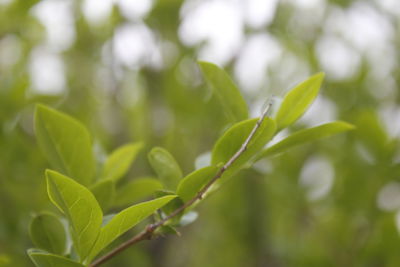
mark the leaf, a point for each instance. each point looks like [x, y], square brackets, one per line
[119, 161]
[136, 190]
[80, 207]
[231, 141]
[297, 101]
[48, 233]
[227, 92]
[125, 220]
[371, 133]
[194, 182]
[164, 230]
[44, 259]
[104, 192]
[165, 166]
[66, 144]
[170, 207]
[307, 135]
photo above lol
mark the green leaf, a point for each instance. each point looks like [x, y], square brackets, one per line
[136, 190]
[231, 141]
[194, 182]
[125, 220]
[171, 206]
[371, 133]
[80, 207]
[119, 161]
[167, 230]
[66, 144]
[227, 92]
[48, 233]
[307, 135]
[165, 166]
[44, 259]
[104, 191]
[297, 101]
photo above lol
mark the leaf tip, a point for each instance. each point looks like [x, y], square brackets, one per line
[206, 66]
[348, 126]
[318, 77]
[204, 63]
[49, 172]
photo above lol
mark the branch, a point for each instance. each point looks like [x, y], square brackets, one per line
[147, 233]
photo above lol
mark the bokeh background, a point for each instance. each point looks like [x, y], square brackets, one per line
[127, 69]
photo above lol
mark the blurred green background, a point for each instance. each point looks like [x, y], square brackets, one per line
[127, 69]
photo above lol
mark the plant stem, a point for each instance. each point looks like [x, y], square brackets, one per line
[147, 233]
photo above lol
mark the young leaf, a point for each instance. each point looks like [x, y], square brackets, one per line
[231, 141]
[305, 136]
[66, 143]
[119, 161]
[167, 230]
[125, 220]
[48, 233]
[44, 259]
[194, 182]
[104, 191]
[165, 166]
[80, 207]
[136, 190]
[227, 92]
[297, 101]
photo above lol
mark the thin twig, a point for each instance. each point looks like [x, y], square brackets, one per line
[147, 233]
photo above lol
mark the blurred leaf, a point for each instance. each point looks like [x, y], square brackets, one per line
[66, 143]
[80, 207]
[4, 260]
[48, 233]
[119, 161]
[227, 92]
[371, 132]
[232, 140]
[136, 190]
[194, 182]
[297, 101]
[43, 259]
[104, 191]
[167, 230]
[125, 220]
[306, 136]
[165, 166]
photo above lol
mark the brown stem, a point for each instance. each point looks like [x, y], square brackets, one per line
[147, 233]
